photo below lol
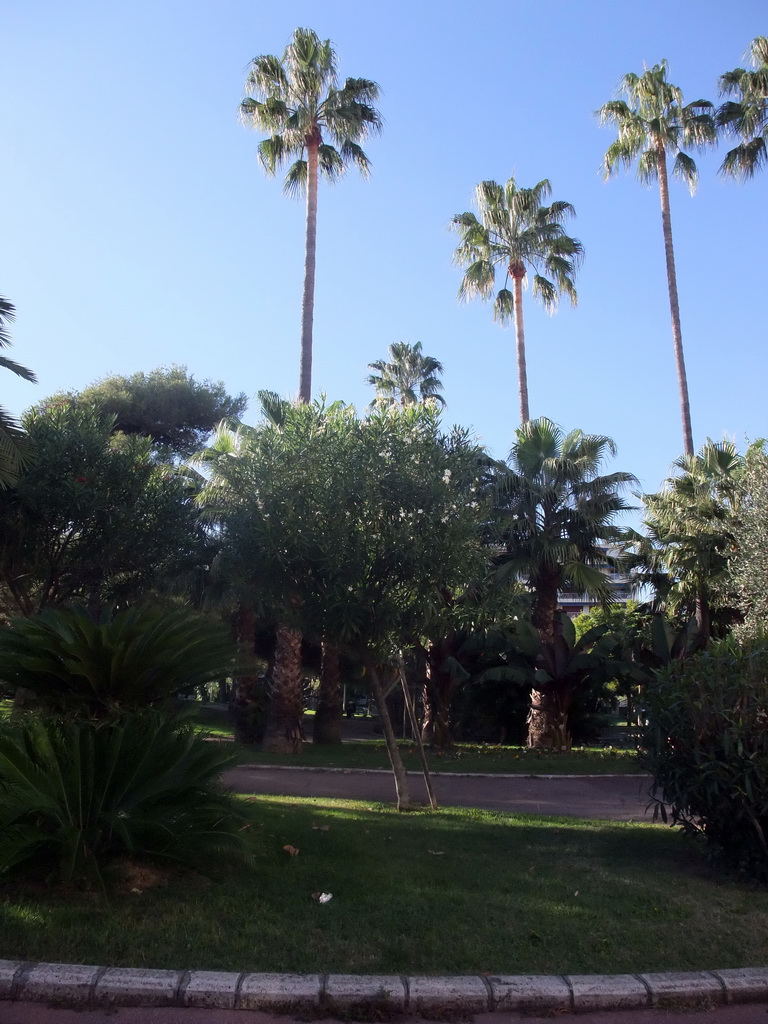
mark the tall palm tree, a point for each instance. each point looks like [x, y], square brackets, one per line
[310, 120]
[746, 117]
[554, 511]
[408, 378]
[517, 234]
[652, 122]
[11, 434]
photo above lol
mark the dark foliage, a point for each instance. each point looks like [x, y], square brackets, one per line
[707, 749]
[81, 666]
[74, 796]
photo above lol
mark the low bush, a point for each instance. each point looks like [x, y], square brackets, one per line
[82, 667]
[75, 796]
[707, 749]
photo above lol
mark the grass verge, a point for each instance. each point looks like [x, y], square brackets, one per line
[465, 757]
[457, 891]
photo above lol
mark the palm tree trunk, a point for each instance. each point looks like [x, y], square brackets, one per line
[327, 727]
[522, 373]
[440, 689]
[674, 306]
[548, 719]
[544, 718]
[249, 699]
[283, 733]
[310, 253]
[703, 619]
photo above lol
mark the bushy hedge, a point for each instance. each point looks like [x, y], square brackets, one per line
[707, 749]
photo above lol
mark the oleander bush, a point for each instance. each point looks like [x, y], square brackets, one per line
[76, 796]
[707, 749]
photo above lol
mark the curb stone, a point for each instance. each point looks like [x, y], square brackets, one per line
[88, 986]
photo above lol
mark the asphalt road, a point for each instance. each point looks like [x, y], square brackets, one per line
[615, 797]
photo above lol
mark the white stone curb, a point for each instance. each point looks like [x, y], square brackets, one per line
[85, 986]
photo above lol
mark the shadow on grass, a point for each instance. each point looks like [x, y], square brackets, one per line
[457, 891]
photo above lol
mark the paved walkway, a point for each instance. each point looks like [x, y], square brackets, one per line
[612, 797]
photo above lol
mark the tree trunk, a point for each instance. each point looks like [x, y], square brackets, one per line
[327, 728]
[548, 719]
[544, 719]
[310, 253]
[518, 273]
[703, 620]
[674, 306]
[283, 733]
[439, 689]
[398, 769]
[248, 706]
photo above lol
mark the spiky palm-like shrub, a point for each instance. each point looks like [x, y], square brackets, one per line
[76, 795]
[132, 659]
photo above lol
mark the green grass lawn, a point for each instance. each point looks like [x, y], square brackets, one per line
[466, 757]
[457, 891]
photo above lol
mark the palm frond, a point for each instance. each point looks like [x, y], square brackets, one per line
[746, 159]
[295, 183]
[648, 166]
[545, 291]
[351, 153]
[478, 279]
[685, 169]
[504, 306]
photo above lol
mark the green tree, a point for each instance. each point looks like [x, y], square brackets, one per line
[632, 629]
[178, 412]
[407, 378]
[553, 510]
[748, 559]
[347, 531]
[11, 435]
[690, 535]
[93, 518]
[275, 492]
[517, 234]
[746, 116]
[296, 99]
[652, 122]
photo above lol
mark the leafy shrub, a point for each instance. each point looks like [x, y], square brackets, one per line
[76, 795]
[707, 748]
[130, 659]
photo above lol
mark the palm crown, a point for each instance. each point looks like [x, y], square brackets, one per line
[555, 509]
[11, 435]
[747, 115]
[653, 121]
[515, 234]
[408, 378]
[297, 100]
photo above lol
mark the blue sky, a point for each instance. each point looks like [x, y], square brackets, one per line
[139, 230]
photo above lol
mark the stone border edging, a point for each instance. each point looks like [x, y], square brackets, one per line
[441, 775]
[86, 986]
